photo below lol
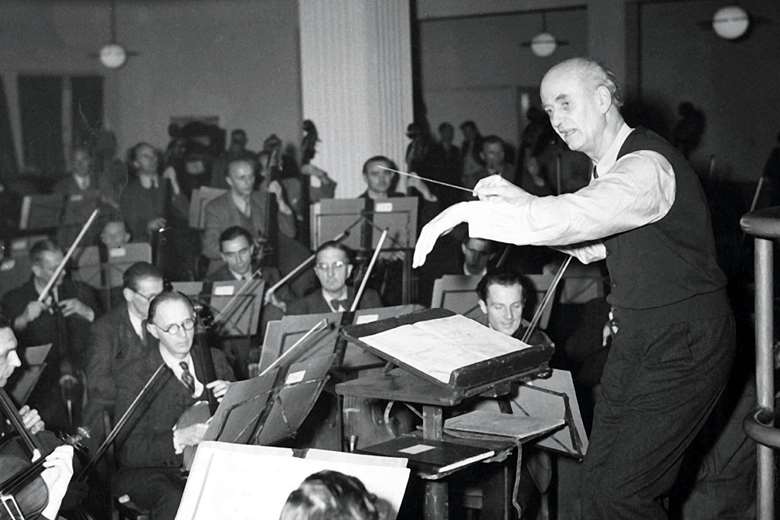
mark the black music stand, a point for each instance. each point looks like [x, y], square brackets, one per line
[77, 209]
[330, 217]
[41, 211]
[236, 313]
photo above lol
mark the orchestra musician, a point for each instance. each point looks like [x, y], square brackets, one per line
[59, 463]
[249, 209]
[150, 452]
[333, 267]
[62, 318]
[644, 211]
[117, 340]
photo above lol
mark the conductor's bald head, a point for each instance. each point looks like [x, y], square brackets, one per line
[582, 99]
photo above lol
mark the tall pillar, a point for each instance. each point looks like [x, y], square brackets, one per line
[356, 75]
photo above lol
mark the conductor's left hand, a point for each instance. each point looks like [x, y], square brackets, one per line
[219, 387]
[443, 223]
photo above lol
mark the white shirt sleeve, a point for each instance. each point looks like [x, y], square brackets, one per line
[638, 190]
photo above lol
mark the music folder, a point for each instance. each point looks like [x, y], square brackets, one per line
[41, 211]
[430, 456]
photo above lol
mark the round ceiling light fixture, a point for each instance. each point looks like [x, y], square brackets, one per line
[543, 44]
[113, 55]
[730, 22]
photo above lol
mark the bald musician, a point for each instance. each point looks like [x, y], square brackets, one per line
[644, 211]
[59, 463]
[150, 454]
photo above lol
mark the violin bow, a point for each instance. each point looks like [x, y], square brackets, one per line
[546, 301]
[364, 281]
[71, 249]
[120, 424]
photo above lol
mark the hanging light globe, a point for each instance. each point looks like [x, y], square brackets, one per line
[730, 22]
[113, 55]
[543, 44]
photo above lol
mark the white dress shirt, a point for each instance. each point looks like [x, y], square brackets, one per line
[137, 323]
[343, 296]
[636, 190]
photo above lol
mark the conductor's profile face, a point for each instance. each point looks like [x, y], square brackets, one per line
[504, 307]
[9, 359]
[174, 326]
[332, 268]
[571, 102]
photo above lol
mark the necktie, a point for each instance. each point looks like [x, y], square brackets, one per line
[186, 377]
[339, 304]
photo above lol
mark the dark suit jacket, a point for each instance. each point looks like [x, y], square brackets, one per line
[47, 329]
[148, 440]
[314, 303]
[221, 213]
[113, 346]
[140, 205]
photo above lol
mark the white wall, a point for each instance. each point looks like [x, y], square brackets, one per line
[237, 59]
[472, 67]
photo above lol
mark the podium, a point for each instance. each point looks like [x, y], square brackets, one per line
[442, 359]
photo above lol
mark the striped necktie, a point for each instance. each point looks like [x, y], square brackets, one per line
[186, 377]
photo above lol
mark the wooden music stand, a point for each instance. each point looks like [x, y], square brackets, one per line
[105, 272]
[41, 211]
[432, 382]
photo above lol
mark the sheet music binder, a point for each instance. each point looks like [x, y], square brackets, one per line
[467, 380]
[330, 217]
[399, 216]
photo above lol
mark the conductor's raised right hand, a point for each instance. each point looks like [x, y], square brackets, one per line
[496, 187]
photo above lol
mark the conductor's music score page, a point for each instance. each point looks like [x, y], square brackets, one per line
[438, 347]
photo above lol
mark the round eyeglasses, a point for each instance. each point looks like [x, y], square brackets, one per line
[175, 328]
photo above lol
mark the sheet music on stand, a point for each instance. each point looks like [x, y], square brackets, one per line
[77, 209]
[41, 211]
[450, 351]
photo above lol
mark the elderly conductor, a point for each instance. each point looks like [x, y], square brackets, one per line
[645, 212]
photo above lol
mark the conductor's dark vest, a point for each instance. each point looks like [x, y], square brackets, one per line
[671, 260]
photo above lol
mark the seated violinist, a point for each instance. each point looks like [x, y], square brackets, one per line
[62, 318]
[59, 463]
[333, 267]
[150, 451]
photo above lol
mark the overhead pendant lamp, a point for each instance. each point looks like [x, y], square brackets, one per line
[730, 22]
[544, 43]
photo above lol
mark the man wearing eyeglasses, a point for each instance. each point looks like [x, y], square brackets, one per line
[118, 339]
[150, 456]
[333, 267]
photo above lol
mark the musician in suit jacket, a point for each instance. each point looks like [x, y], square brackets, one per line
[62, 318]
[253, 210]
[333, 267]
[239, 255]
[116, 340]
[150, 452]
